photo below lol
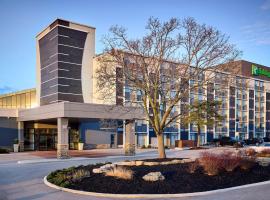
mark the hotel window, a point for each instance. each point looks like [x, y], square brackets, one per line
[139, 95]
[127, 93]
[200, 97]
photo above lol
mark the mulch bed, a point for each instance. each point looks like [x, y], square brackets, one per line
[198, 148]
[177, 180]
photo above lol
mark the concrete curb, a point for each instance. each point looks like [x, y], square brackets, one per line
[152, 196]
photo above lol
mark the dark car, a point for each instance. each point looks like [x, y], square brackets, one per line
[266, 139]
[253, 141]
[228, 141]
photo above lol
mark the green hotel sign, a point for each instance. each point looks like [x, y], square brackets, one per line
[256, 71]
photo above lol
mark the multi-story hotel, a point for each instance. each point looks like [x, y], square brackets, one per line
[65, 106]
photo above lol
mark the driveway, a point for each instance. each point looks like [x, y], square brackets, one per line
[25, 181]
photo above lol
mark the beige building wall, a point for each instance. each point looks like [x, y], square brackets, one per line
[98, 95]
[87, 66]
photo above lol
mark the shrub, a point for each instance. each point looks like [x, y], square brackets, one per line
[16, 141]
[65, 177]
[230, 161]
[247, 163]
[193, 166]
[58, 178]
[120, 172]
[79, 174]
[250, 152]
[264, 153]
[3, 151]
[211, 163]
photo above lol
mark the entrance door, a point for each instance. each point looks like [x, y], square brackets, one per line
[46, 142]
[45, 139]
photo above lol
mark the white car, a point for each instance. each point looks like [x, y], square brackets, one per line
[259, 148]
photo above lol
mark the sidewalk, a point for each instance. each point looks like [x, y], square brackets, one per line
[50, 156]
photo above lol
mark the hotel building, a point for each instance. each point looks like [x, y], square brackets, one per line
[65, 105]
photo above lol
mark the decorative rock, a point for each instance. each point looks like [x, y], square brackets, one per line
[166, 163]
[97, 171]
[153, 176]
[176, 161]
[187, 160]
[103, 168]
[126, 163]
[151, 163]
[139, 163]
[107, 166]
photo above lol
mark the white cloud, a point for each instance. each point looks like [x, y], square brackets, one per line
[257, 33]
[266, 5]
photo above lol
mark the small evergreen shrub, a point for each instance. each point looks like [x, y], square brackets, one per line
[2, 151]
[65, 177]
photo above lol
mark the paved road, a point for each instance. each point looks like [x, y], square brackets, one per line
[25, 181]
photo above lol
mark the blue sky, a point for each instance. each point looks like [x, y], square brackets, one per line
[247, 22]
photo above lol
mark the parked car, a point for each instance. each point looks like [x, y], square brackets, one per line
[259, 148]
[253, 141]
[265, 144]
[228, 141]
[266, 139]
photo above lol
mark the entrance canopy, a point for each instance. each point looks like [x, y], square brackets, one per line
[80, 110]
[8, 112]
[65, 112]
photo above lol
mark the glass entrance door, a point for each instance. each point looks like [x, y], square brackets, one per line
[45, 139]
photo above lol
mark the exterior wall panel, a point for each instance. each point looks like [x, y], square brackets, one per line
[61, 54]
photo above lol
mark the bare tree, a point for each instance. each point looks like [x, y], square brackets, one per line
[157, 68]
[202, 113]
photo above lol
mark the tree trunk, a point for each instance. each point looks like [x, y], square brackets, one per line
[199, 136]
[161, 149]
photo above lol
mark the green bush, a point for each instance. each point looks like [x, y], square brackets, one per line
[2, 150]
[16, 141]
[65, 177]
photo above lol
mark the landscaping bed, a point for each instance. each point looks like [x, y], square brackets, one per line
[178, 178]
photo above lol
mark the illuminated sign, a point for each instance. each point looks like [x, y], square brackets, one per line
[256, 71]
